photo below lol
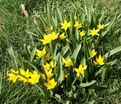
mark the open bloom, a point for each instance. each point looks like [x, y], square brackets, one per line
[82, 33]
[48, 38]
[53, 36]
[99, 60]
[65, 25]
[41, 53]
[80, 70]
[77, 25]
[94, 32]
[92, 53]
[34, 78]
[101, 26]
[24, 75]
[12, 75]
[67, 62]
[62, 36]
[50, 84]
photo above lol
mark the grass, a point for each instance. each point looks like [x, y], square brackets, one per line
[17, 31]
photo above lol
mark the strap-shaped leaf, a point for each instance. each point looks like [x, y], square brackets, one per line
[61, 72]
[76, 51]
[102, 68]
[59, 15]
[108, 29]
[65, 49]
[88, 83]
[13, 58]
[112, 52]
[32, 54]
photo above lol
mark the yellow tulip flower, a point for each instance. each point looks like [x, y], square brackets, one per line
[101, 26]
[99, 60]
[67, 62]
[34, 78]
[41, 53]
[92, 53]
[65, 25]
[80, 70]
[51, 84]
[77, 25]
[62, 36]
[94, 32]
[82, 33]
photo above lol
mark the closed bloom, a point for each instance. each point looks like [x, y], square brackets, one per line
[41, 53]
[67, 62]
[48, 57]
[80, 70]
[52, 63]
[62, 36]
[51, 28]
[101, 26]
[94, 32]
[34, 78]
[49, 74]
[42, 76]
[99, 60]
[82, 33]
[77, 25]
[51, 84]
[65, 25]
[46, 66]
[92, 53]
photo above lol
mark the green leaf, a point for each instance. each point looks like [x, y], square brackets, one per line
[104, 72]
[59, 15]
[102, 68]
[112, 52]
[30, 64]
[54, 22]
[40, 88]
[83, 61]
[32, 54]
[65, 49]
[77, 34]
[76, 51]
[13, 58]
[102, 16]
[61, 72]
[48, 14]
[108, 29]
[58, 98]
[88, 83]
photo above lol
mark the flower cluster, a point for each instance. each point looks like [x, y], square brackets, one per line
[25, 76]
[48, 76]
[48, 63]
